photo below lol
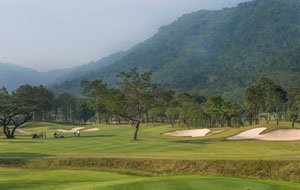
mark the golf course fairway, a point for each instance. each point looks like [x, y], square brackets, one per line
[77, 180]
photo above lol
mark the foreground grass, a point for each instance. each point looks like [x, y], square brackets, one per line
[88, 180]
[117, 140]
[261, 169]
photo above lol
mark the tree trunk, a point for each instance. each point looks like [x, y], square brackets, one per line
[6, 133]
[99, 118]
[256, 120]
[137, 126]
[250, 119]
[70, 115]
[293, 123]
[55, 116]
[267, 115]
[229, 122]
[277, 116]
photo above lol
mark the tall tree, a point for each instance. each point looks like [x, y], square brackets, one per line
[279, 98]
[68, 106]
[293, 114]
[85, 110]
[267, 86]
[135, 96]
[254, 99]
[215, 104]
[18, 107]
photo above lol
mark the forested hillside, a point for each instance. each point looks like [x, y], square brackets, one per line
[217, 52]
[89, 68]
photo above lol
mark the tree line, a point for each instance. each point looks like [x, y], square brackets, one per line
[136, 100]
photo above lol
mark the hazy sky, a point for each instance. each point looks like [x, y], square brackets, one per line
[49, 34]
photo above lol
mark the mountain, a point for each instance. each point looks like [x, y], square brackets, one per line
[216, 52]
[83, 70]
[13, 76]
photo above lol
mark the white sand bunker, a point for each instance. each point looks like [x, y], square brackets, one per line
[75, 129]
[276, 135]
[189, 133]
[281, 135]
[250, 134]
[89, 130]
[24, 132]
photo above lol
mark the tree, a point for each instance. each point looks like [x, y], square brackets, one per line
[279, 97]
[68, 106]
[267, 86]
[135, 96]
[237, 113]
[18, 108]
[228, 112]
[215, 104]
[157, 112]
[172, 114]
[253, 98]
[291, 95]
[45, 99]
[85, 110]
[293, 114]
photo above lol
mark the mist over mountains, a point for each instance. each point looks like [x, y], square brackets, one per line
[216, 52]
[12, 76]
[208, 52]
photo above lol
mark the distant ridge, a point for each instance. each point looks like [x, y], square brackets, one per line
[215, 52]
[12, 76]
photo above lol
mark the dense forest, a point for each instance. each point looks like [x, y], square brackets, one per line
[216, 52]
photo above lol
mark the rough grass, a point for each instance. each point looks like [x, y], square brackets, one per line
[77, 180]
[273, 169]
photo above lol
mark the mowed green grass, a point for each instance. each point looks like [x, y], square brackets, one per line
[93, 180]
[117, 140]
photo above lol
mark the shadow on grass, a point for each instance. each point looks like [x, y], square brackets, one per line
[202, 141]
[22, 154]
[18, 142]
[91, 136]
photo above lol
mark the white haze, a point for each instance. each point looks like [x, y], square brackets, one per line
[48, 34]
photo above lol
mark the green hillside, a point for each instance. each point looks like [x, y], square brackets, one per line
[216, 52]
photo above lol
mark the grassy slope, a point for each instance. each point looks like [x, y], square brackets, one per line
[88, 180]
[116, 140]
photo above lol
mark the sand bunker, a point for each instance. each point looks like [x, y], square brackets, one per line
[24, 132]
[92, 129]
[189, 133]
[250, 134]
[281, 135]
[75, 129]
[276, 135]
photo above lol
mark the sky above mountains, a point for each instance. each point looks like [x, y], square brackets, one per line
[51, 34]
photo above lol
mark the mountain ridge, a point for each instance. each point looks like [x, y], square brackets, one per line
[216, 52]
